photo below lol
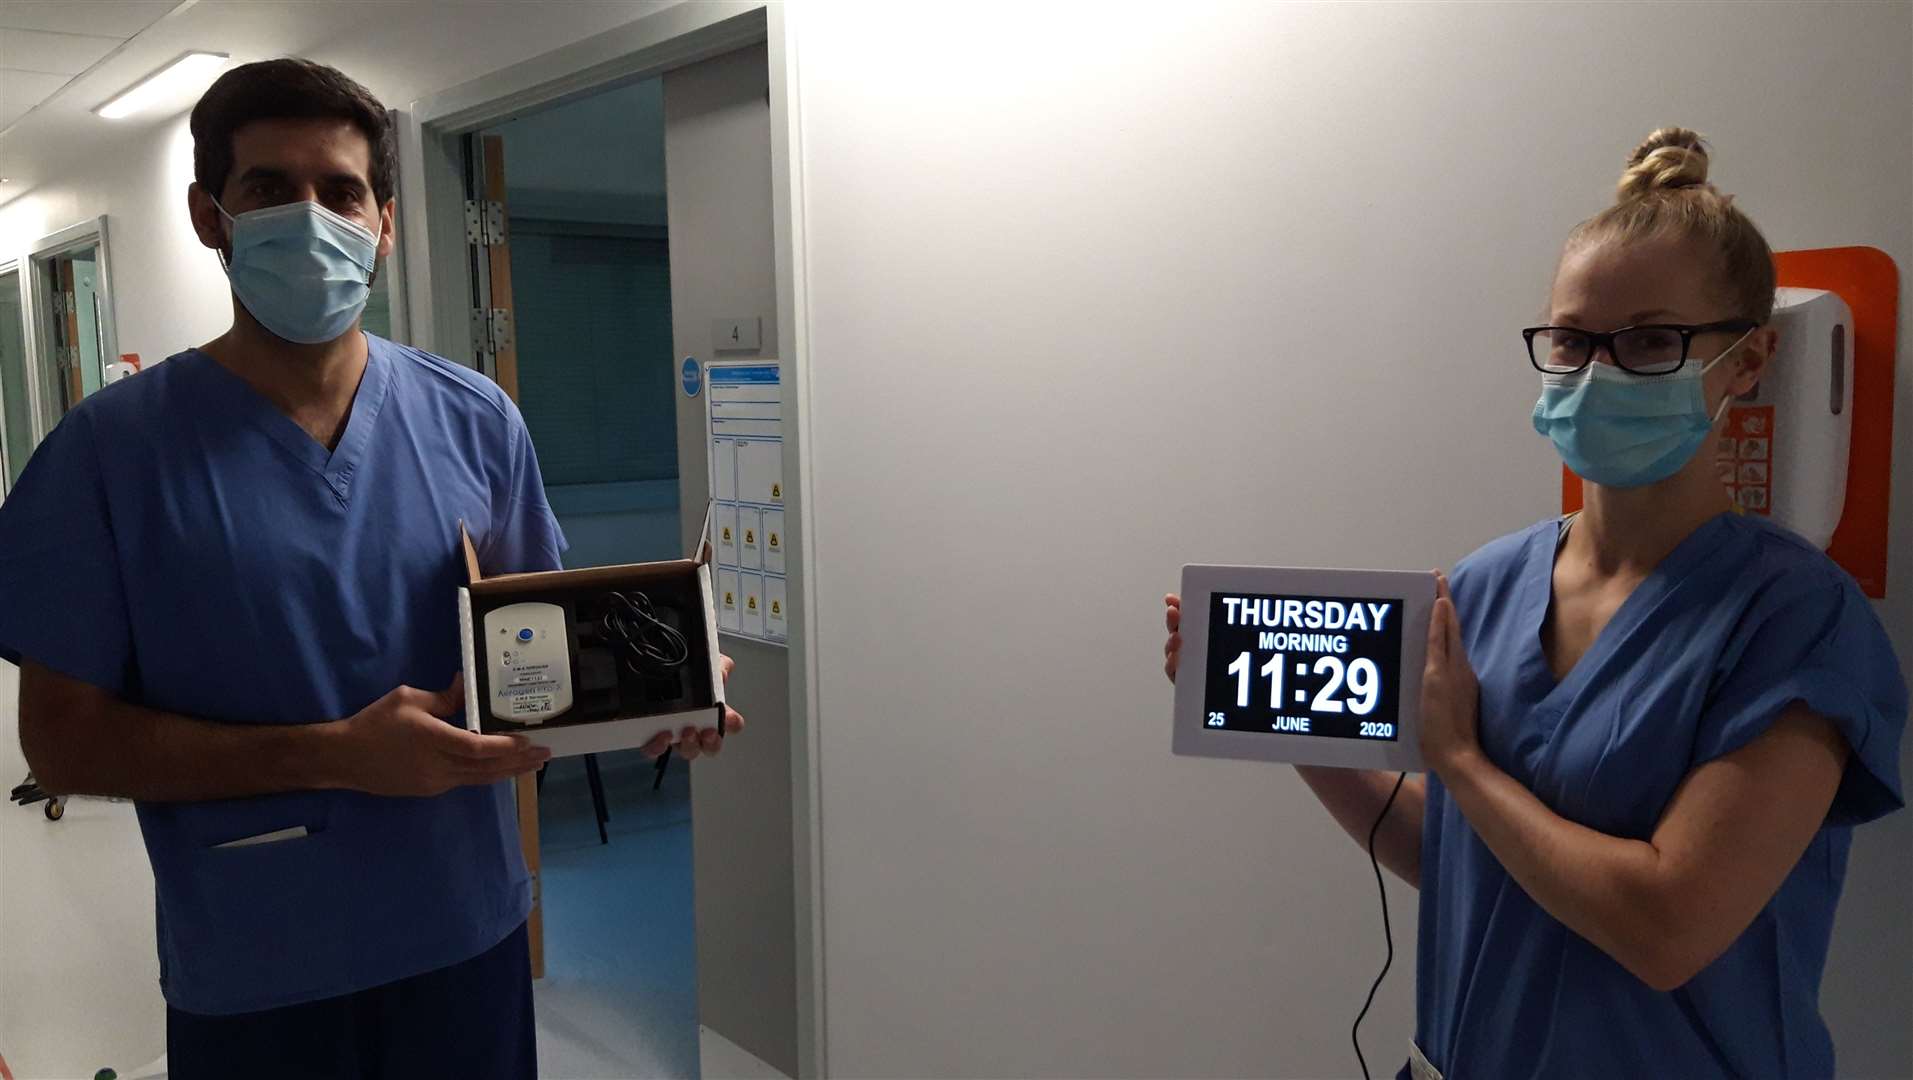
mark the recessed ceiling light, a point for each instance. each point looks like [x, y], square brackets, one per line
[191, 71]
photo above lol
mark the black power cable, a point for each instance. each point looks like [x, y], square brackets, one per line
[645, 642]
[650, 647]
[1355, 1034]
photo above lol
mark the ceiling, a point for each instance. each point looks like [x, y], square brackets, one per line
[45, 43]
[397, 48]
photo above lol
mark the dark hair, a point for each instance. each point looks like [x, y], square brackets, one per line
[286, 89]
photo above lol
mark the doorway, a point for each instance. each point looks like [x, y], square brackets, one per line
[71, 296]
[732, 260]
[16, 407]
[570, 264]
[590, 281]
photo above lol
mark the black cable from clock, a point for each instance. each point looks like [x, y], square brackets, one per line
[1355, 1034]
[633, 628]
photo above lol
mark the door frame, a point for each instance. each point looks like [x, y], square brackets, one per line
[11, 265]
[438, 288]
[39, 315]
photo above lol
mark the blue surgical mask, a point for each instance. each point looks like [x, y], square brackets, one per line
[1623, 430]
[303, 271]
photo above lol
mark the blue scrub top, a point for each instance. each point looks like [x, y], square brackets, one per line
[180, 542]
[1741, 620]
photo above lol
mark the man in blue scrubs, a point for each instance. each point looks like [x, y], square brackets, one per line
[231, 585]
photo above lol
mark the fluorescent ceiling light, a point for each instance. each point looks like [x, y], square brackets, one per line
[184, 75]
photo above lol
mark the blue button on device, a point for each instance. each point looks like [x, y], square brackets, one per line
[525, 634]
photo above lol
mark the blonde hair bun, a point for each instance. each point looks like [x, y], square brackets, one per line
[1669, 159]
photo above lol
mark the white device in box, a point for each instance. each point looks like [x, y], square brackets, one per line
[1313, 667]
[529, 651]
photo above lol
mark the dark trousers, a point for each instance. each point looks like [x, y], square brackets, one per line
[471, 1020]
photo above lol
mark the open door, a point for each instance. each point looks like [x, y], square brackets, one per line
[497, 356]
[16, 419]
[69, 281]
[493, 317]
[66, 336]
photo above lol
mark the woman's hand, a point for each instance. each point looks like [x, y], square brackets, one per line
[1450, 696]
[1172, 649]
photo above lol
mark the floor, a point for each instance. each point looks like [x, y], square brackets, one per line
[619, 996]
[619, 1000]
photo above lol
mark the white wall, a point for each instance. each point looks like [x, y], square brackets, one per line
[1098, 290]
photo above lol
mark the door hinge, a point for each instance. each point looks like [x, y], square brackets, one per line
[491, 329]
[484, 222]
[481, 336]
[59, 303]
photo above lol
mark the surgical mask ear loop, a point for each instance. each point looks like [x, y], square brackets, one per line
[1728, 399]
[225, 261]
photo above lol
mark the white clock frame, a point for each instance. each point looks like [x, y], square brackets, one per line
[1200, 583]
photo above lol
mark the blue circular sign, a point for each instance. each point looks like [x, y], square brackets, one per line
[693, 376]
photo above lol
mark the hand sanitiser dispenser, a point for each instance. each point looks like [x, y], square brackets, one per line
[1783, 449]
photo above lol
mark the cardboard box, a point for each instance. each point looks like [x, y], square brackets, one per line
[617, 699]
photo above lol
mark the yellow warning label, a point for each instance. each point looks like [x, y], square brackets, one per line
[750, 536]
[777, 491]
[777, 609]
[753, 603]
[727, 534]
[773, 541]
[730, 600]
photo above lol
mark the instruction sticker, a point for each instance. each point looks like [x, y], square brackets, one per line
[752, 552]
[777, 617]
[1743, 458]
[744, 418]
[774, 542]
[753, 624]
[729, 589]
[725, 523]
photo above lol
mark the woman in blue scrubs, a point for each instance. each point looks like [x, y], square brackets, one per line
[1650, 726]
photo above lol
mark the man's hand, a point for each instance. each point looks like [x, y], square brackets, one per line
[694, 742]
[401, 745]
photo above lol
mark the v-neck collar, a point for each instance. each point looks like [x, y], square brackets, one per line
[1544, 548]
[337, 465]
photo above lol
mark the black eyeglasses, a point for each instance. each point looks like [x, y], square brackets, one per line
[1652, 349]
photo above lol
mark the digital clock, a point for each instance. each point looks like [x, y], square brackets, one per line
[1307, 666]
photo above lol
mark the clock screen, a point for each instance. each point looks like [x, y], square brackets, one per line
[1304, 665]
